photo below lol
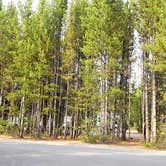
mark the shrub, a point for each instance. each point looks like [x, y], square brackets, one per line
[161, 140]
[3, 124]
[96, 137]
[93, 139]
[2, 129]
[105, 139]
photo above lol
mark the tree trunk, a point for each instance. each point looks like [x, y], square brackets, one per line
[37, 123]
[146, 110]
[54, 119]
[1, 101]
[153, 113]
[129, 126]
[66, 112]
[22, 108]
[50, 122]
[143, 112]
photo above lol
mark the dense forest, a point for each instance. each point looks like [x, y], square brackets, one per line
[66, 68]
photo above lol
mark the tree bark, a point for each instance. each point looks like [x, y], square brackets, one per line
[1, 101]
[37, 123]
[153, 113]
[66, 110]
[22, 108]
[146, 110]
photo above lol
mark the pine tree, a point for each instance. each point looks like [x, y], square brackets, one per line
[72, 61]
[149, 23]
[9, 36]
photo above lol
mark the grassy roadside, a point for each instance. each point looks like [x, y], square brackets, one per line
[128, 143]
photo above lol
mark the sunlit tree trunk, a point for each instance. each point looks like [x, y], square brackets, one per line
[1, 101]
[22, 108]
[153, 113]
[38, 118]
[66, 110]
[146, 106]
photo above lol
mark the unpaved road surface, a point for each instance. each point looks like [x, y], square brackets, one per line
[42, 153]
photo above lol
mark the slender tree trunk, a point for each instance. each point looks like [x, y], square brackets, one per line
[32, 120]
[124, 107]
[55, 105]
[146, 110]
[76, 111]
[143, 96]
[59, 109]
[143, 112]
[22, 108]
[114, 119]
[129, 104]
[54, 119]
[153, 113]
[86, 113]
[1, 101]
[66, 112]
[1, 96]
[102, 107]
[37, 123]
[106, 96]
[123, 125]
[49, 122]
[124, 88]
[129, 126]
[56, 71]
[115, 108]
